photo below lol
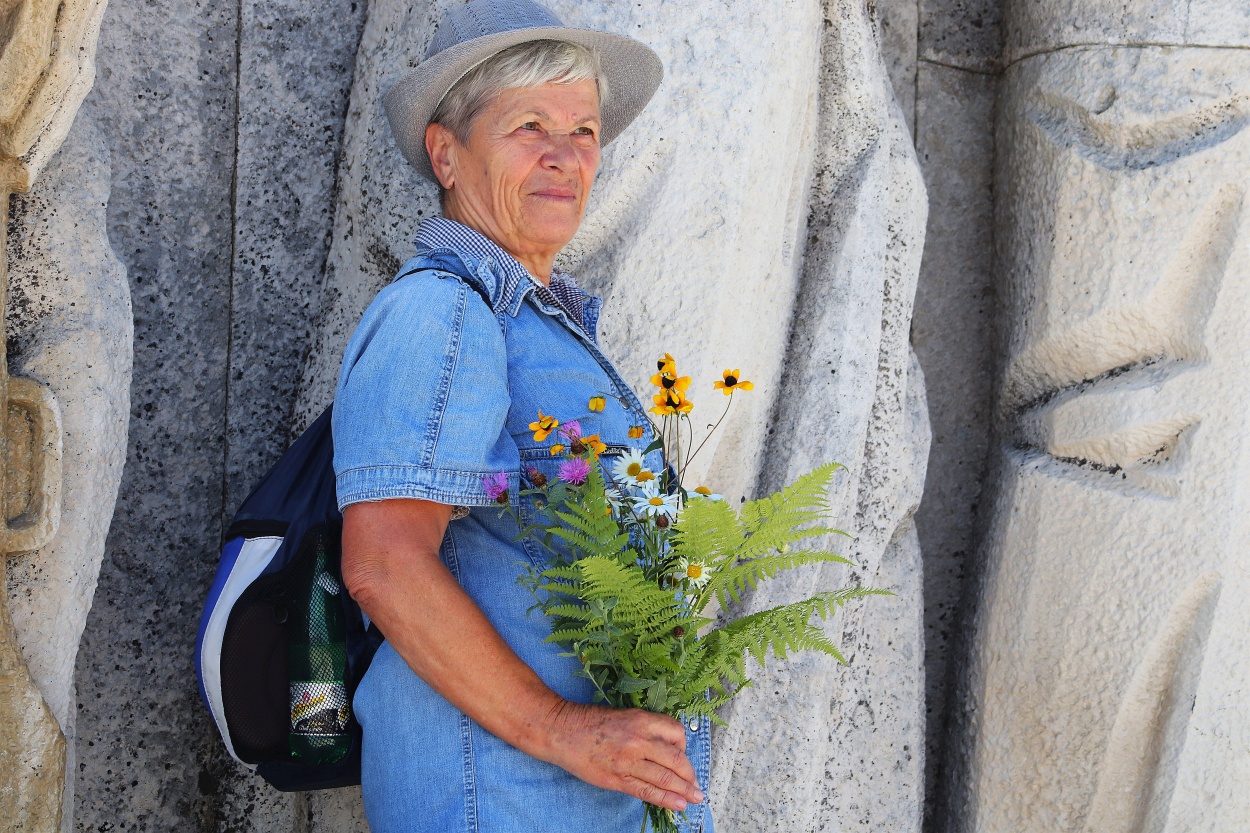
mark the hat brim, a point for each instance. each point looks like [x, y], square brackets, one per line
[632, 69]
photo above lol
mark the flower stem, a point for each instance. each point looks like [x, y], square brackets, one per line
[712, 431]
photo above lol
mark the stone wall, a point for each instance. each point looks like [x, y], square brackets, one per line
[1063, 653]
[224, 132]
[1097, 688]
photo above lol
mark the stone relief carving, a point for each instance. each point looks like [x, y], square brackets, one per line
[1100, 696]
[47, 63]
[763, 192]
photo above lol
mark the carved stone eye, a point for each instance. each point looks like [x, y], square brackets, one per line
[1105, 393]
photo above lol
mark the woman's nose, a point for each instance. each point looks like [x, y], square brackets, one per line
[560, 154]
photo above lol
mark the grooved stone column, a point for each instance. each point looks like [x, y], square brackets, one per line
[1105, 683]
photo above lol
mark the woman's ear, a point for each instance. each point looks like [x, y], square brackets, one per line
[439, 144]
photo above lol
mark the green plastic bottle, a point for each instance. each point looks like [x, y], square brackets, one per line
[320, 710]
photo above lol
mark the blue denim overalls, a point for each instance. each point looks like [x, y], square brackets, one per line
[441, 379]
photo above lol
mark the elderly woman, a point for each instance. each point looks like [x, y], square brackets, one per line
[472, 722]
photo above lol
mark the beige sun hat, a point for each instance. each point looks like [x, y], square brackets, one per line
[471, 33]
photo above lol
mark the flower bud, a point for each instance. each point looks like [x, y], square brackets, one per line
[502, 500]
[661, 521]
[679, 632]
[578, 447]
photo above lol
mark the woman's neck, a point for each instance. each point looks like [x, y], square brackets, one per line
[538, 264]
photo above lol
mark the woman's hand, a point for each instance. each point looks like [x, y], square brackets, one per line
[636, 752]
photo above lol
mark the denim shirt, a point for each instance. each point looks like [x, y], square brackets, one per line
[452, 362]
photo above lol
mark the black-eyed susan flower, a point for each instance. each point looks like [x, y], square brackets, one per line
[733, 381]
[671, 381]
[636, 432]
[666, 364]
[671, 402]
[556, 448]
[597, 403]
[543, 427]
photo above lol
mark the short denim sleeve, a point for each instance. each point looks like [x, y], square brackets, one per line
[422, 397]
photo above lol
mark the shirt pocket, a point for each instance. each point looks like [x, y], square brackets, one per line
[538, 467]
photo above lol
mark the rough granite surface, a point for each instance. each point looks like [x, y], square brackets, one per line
[69, 327]
[225, 133]
[953, 335]
[817, 746]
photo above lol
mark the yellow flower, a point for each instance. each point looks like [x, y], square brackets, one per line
[635, 432]
[556, 448]
[733, 381]
[594, 444]
[597, 403]
[543, 427]
[666, 364]
[671, 402]
[670, 381]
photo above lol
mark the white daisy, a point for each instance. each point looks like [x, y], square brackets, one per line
[632, 469]
[654, 504]
[615, 497]
[696, 575]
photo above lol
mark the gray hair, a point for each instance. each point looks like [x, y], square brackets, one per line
[524, 65]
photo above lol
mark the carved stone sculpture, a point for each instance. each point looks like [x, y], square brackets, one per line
[1106, 685]
[769, 200]
[47, 64]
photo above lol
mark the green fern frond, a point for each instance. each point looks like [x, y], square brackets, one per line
[729, 583]
[776, 521]
[708, 533]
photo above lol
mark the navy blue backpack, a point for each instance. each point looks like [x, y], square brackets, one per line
[241, 652]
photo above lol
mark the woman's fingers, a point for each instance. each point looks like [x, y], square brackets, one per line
[652, 794]
[668, 787]
[629, 750]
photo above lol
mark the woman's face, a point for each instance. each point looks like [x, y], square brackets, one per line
[525, 174]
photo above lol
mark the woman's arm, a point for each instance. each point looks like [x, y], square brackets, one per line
[392, 569]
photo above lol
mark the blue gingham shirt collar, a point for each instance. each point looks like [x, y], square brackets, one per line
[563, 291]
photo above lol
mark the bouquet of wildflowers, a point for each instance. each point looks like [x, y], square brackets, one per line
[643, 557]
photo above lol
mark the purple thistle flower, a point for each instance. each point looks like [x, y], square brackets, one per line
[495, 484]
[572, 430]
[574, 471]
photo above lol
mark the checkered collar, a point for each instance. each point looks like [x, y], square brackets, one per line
[442, 233]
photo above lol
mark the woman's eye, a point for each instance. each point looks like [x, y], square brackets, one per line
[530, 125]
[584, 131]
